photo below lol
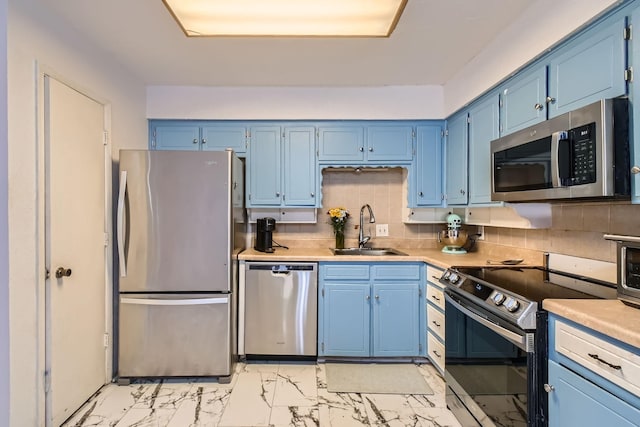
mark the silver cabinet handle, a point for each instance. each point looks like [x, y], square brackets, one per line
[367, 297]
[377, 297]
[313, 194]
[195, 140]
[635, 170]
[204, 141]
[538, 106]
[277, 194]
[548, 388]
[550, 100]
[420, 194]
[370, 148]
[361, 149]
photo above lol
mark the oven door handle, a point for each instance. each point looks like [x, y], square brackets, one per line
[517, 339]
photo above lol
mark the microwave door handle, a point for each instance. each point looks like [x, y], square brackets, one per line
[623, 264]
[555, 171]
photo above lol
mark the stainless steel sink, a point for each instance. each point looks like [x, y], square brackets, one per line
[367, 251]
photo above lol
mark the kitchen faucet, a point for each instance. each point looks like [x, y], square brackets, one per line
[362, 239]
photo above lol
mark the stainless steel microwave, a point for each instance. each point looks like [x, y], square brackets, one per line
[580, 154]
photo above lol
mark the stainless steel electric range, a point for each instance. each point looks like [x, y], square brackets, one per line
[496, 340]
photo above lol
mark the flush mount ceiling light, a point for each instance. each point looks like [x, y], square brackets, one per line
[301, 18]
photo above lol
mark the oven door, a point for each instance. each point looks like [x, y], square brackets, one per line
[490, 367]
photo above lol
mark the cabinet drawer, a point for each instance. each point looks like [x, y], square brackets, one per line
[606, 359]
[346, 272]
[434, 274]
[435, 321]
[435, 296]
[436, 351]
[395, 272]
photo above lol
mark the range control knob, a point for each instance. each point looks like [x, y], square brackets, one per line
[498, 298]
[511, 305]
[454, 278]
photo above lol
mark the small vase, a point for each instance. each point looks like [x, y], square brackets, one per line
[339, 239]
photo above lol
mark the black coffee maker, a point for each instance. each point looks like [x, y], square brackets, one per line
[264, 234]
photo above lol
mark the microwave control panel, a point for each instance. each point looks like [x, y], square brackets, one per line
[577, 156]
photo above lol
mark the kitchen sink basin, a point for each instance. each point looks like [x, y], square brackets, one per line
[367, 251]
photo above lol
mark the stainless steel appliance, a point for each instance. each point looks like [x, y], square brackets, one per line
[180, 222]
[628, 263]
[281, 309]
[580, 154]
[264, 234]
[496, 340]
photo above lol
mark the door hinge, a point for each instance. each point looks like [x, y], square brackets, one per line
[627, 32]
[420, 347]
[322, 347]
[445, 132]
[106, 239]
[500, 103]
[322, 291]
[628, 75]
[419, 292]
[105, 137]
[468, 120]
[47, 381]
[413, 134]
[47, 274]
[249, 196]
[153, 140]
[106, 340]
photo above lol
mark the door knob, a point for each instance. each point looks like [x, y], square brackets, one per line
[548, 388]
[635, 170]
[538, 106]
[63, 272]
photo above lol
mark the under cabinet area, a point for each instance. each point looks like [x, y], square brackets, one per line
[371, 310]
[593, 379]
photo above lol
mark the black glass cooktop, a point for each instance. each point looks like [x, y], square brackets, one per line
[537, 283]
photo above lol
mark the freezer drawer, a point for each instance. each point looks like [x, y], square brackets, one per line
[281, 309]
[164, 335]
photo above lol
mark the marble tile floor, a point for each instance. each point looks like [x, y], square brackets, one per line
[262, 394]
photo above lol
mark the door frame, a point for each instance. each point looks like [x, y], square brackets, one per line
[42, 71]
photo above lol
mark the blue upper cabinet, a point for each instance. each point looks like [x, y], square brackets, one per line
[223, 136]
[590, 68]
[522, 100]
[456, 159]
[341, 143]
[483, 128]
[300, 170]
[356, 145]
[428, 170]
[175, 136]
[264, 167]
[389, 143]
[269, 183]
[197, 136]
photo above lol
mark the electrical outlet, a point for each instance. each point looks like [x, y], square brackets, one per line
[481, 232]
[382, 230]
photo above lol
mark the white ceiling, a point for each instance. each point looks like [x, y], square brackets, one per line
[432, 41]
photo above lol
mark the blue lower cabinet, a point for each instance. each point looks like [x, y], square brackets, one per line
[366, 314]
[575, 401]
[396, 328]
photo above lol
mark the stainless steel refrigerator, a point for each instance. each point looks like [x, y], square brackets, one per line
[180, 224]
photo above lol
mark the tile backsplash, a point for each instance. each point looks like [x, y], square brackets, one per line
[577, 228]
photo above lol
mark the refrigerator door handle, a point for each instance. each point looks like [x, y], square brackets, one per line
[120, 224]
[192, 301]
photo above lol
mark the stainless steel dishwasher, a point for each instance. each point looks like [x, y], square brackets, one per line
[281, 309]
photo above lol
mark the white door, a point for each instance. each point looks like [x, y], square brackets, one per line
[74, 245]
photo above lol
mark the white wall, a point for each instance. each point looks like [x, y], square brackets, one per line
[35, 39]
[542, 25]
[389, 102]
[4, 236]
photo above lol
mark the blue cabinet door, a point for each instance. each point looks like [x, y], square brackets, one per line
[483, 128]
[523, 101]
[264, 165]
[299, 166]
[456, 159]
[392, 143]
[574, 401]
[345, 319]
[634, 91]
[175, 136]
[341, 144]
[589, 69]
[219, 137]
[428, 170]
[396, 328]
